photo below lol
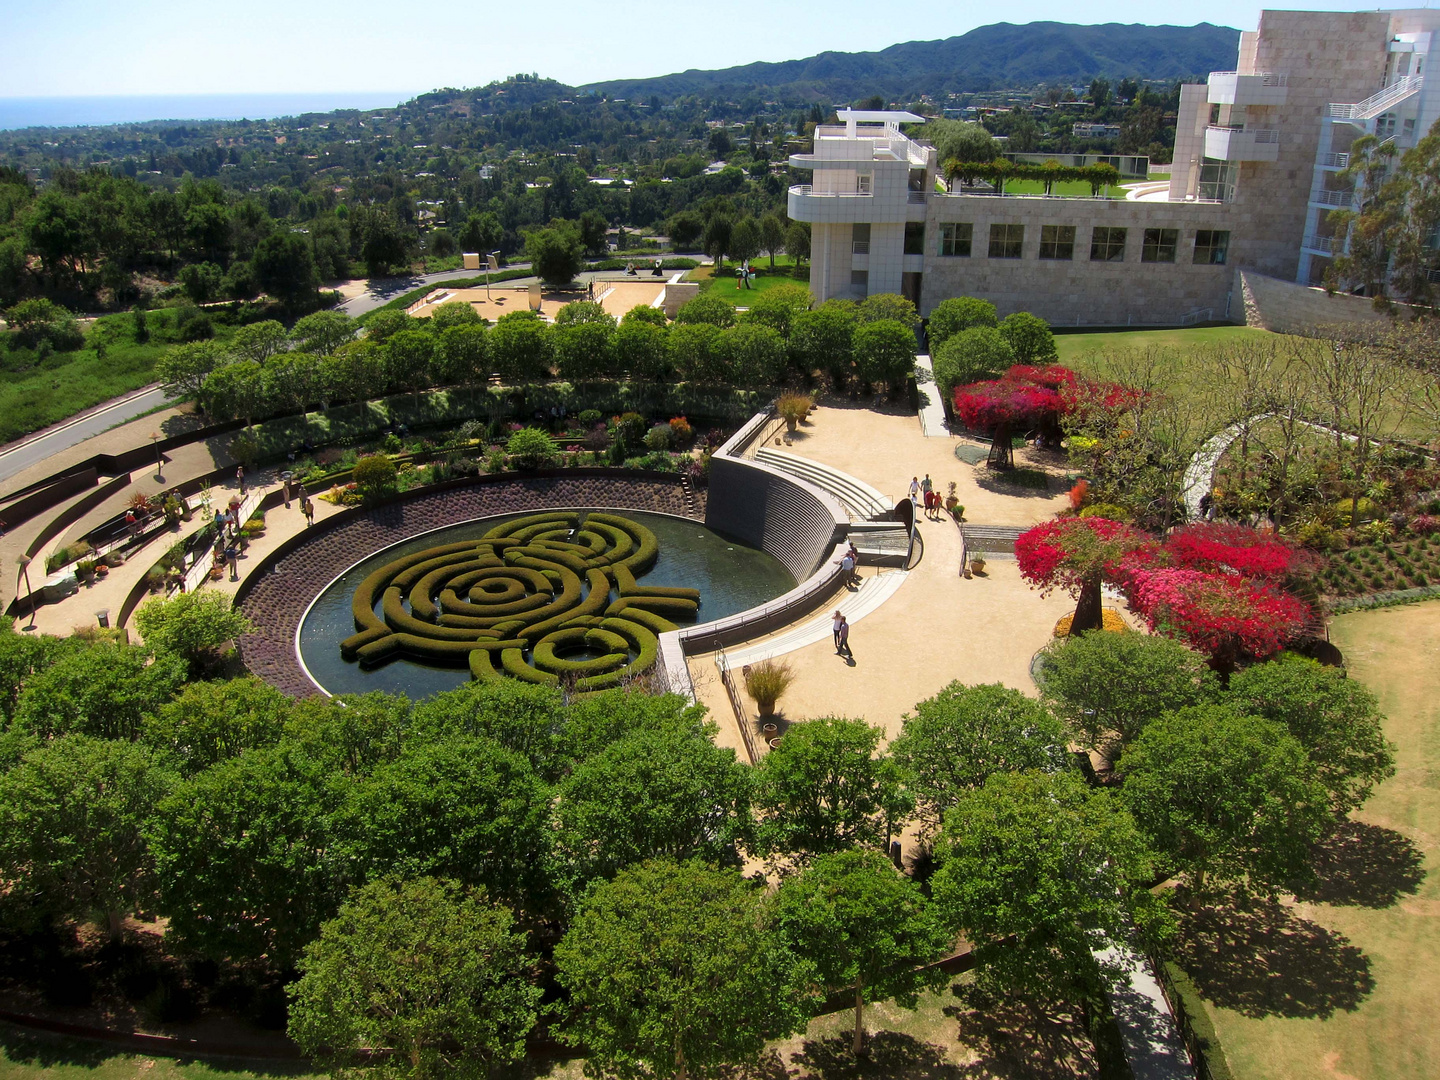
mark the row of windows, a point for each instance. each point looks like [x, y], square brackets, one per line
[1107, 243]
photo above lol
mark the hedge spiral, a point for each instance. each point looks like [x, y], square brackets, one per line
[522, 600]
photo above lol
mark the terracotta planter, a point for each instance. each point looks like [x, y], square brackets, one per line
[775, 743]
[977, 566]
[769, 731]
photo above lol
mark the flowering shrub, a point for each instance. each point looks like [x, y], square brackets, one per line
[1223, 615]
[1248, 552]
[1071, 553]
[1425, 524]
[1078, 494]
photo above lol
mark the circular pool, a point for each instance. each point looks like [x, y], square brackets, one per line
[730, 577]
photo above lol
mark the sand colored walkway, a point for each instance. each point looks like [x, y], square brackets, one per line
[938, 627]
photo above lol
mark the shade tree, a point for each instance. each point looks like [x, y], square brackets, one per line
[208, 722]
[957, 313]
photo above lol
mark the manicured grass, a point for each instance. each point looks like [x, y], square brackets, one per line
[42, 1057]
[724, 285]
[1347, 984]
[1070, 188]
[1088, 352]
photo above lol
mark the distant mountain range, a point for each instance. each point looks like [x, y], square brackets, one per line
[987, 58]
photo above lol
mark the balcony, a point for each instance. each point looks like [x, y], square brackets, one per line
[1334, 161]
[804, 202]
[1242, 144]
[1322, 245]
[1232, 88]
[1333, 198]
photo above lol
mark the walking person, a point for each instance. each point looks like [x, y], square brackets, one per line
[308, 509]
[287, 492]
[842, 643]
[915, 490]
[240, 478]
[837, 620]
[232, 559]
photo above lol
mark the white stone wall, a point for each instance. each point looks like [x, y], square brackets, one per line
[1287, 307]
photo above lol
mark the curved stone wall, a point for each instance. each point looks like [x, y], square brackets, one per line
[276, 596]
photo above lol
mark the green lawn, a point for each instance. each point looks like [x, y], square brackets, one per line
[1071, 188]
[724, 285]
[1346, 984]
[42, 1057]
[1088, 352]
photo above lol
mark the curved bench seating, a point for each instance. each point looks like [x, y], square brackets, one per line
[861, 501]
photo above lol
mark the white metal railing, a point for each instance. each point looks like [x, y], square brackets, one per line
[1335, 161]
[808, 189]
[1378, 102]
[1257, 135]
[917, 197]
[1320, 243]
[1267, 78]
[859, 247]
[1196, 316]
[1333, 198]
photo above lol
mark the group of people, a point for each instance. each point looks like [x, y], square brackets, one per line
[840, 629]
[924, 491]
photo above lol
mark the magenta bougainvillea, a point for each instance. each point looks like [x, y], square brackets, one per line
[1249, 552]
[1036, 398]
[1222, 614]
[1070, 552]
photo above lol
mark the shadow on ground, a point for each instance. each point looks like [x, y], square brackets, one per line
[1261, 959]
[22, 1047]
[1364, 865]
[1001, 485]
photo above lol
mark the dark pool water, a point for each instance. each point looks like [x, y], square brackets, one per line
[731, 577]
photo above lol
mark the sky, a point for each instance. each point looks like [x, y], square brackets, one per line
[104, 47]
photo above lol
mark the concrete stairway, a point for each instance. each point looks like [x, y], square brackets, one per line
[861, 501]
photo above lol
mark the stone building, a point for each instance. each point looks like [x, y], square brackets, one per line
[1258, 154]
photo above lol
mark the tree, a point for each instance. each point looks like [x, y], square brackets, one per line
[695, 352]
[285, 267]
[1107, 687]
[351, 734]
[451, 314]
[955, 140]
[778, 307]
[824, 339]
[718, 232]
[584, 350]
[672, 967]
[645, 313]
[958, 313]
[656, 793]
[745, 239]
[1099, 94]
[193, 626]
[1040, 873]
[185, 368]
[102, 690]
[426, 968]
[593, 227]
[824, 788]
[461, 807]
[1225, 797]
[209, 722]
[374, 476]
[685, 229]
[885, 352]
[258, 342]
[583, 312]
[864, 926]
[201, 281]
[481, 233]
[889, 307]
[384, 243]
[642, 349]
[955, 741]
[973, 355]
[71, 815]
[797, 241]
[707, 309]
[410, 356]
[520, 347]
[1029, 338]
[555, 253]
[754, 355]
[247, 857]
[772, 236]
[524, 718]
[1337, 720]
[1080, 555]
[463, 355]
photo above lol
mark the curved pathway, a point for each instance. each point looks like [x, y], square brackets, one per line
[1200, 473]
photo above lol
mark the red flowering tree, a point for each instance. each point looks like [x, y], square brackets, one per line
[1248, 552]
[1224, 615]
[1080, 555]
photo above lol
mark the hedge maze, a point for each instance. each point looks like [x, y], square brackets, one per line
[529, 600]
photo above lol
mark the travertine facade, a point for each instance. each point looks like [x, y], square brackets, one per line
[1258, 156]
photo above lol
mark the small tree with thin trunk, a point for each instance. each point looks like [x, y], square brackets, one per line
[1081, 555]
[865, 926]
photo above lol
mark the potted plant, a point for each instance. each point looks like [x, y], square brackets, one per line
[85, 570]
[101, 570]
[793, 409]
[977, 565]
[766, 681]
[952, 500]
[769, 731]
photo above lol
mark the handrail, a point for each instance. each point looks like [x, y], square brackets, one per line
[1334, 198]
[1377, 102]
[742, 717]
[1267, 78]
[1319, 243]
[1335, 161]
[808, 189]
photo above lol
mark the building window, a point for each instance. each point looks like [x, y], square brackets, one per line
[1057, 241]
[860, 238]
[955, 239]
[1211, 245]
[1159, 245]
[1217, 181]
[914, 238]
[1006, 241]
[860, 281]
[1107, 244]
[862, 183]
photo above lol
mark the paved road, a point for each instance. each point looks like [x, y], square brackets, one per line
[383, 290]
[21, 455]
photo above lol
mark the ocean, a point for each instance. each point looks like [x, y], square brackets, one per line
[81, 111]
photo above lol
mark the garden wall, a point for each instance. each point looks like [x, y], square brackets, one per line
[1287, 307]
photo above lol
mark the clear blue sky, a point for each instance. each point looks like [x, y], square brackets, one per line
[88, 47]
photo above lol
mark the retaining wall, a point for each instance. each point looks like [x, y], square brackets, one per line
[1287, 307]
